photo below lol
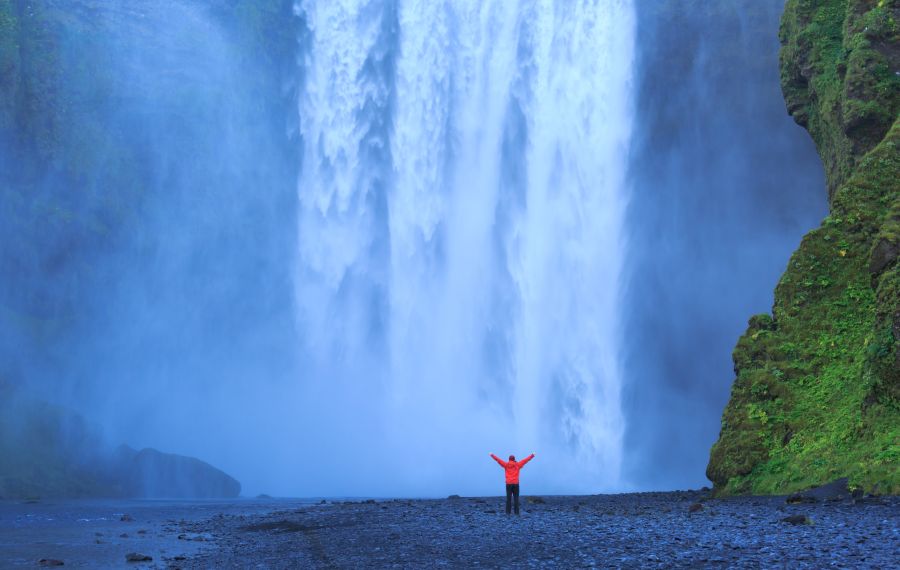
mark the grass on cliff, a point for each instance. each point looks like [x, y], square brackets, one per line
[837, 76]
[808, 405]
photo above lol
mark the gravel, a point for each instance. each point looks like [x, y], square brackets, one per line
[646, 530]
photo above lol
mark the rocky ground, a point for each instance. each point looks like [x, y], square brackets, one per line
[648, 530]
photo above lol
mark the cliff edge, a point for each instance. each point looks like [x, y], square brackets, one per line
[817, 389]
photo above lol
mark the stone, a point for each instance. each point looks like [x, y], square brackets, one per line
[695, 508]
[834, 491]
[796, 519]
[50, 562]
[799, 498]
[136, 557]
[884, 254]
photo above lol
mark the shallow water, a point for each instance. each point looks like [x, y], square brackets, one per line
[99, 533]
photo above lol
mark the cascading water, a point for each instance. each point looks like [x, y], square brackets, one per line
[461, 202]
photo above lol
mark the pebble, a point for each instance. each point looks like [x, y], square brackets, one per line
[631, 530]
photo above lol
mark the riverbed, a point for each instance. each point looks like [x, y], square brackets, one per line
[645, 530]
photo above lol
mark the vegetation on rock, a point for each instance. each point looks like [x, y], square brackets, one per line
[817, 393]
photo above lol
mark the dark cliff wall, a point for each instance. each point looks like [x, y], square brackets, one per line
[816, 395]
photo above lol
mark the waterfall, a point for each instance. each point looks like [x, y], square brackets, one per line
[461, 198]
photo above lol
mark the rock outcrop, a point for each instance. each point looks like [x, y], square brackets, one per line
[817, 393]
[50, 451]
[149, 473]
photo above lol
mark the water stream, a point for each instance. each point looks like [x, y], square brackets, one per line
[460, 240]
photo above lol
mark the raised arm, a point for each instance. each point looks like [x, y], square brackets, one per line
[526, 460]
[500, 461]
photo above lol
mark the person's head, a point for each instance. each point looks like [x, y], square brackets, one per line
[512, 457]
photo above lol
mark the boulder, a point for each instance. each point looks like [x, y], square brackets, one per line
[796, 519]
[835, 491]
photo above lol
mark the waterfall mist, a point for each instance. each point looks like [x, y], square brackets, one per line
[723, 186]
[350, 248]
[151, 187]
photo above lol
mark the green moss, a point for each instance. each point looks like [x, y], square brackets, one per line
[816, 392]
[817, 395]
[838, 63]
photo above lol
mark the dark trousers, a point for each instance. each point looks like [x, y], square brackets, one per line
[512, 490]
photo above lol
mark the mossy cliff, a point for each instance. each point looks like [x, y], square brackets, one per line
[817, 393]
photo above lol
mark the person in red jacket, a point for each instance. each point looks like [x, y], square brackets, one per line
[512, 468]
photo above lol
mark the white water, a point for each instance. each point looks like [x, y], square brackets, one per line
[459, 250]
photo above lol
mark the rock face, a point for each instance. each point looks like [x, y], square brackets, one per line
[50, 451]
[817, 393]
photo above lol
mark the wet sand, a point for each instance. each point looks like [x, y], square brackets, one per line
[648, 530]
[100, 533]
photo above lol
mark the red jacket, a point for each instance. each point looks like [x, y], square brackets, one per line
[512, 468]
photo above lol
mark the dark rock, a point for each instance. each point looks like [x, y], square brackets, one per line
[798, 498]
[123, 535]
[50, 562]
[263, 496]
[797, 519]
[787, 437]
[834, 491]
[535, 500]
[695, 508]
[126, 518]
[884, 253]
[136, 557]
[278, 527]
[454, 497]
